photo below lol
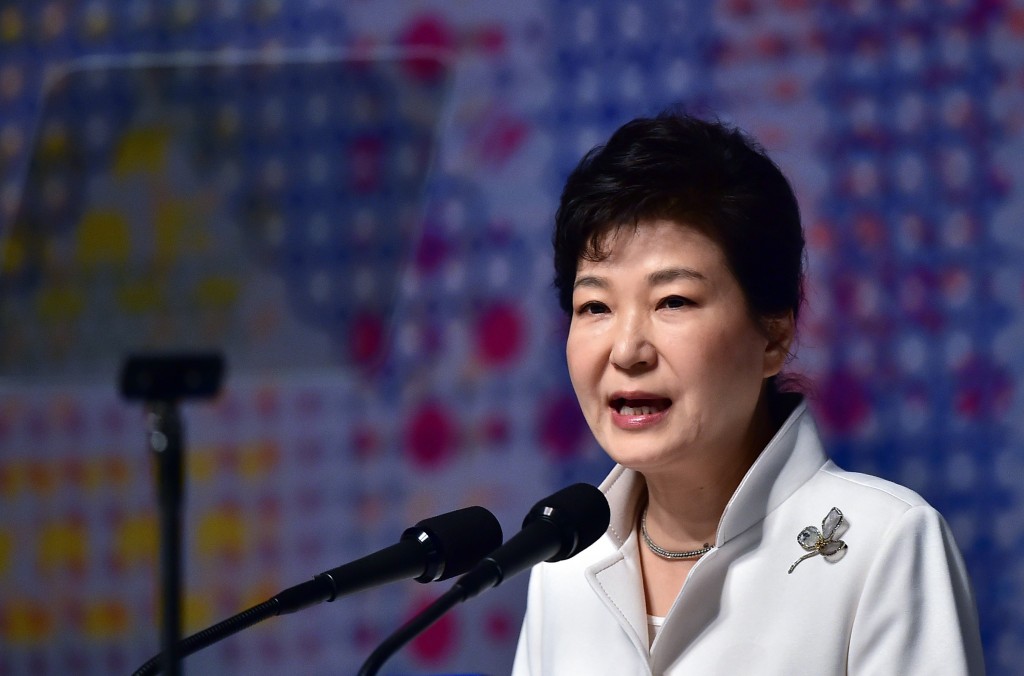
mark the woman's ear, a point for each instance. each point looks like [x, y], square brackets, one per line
[780, 331]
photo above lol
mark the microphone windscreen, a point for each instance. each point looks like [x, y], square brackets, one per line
[580, 512]
[457, 540]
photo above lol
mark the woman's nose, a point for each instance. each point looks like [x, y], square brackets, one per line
[632, 348]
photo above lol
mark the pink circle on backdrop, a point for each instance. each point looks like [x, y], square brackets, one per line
[367, 338]
[427, 31]
[844, 401]
[500, 626]
[983, 389]
[561, 426]
[438, 642]
[431, 252]
[431, 437]
[499, 334]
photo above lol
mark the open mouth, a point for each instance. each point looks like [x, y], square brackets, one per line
[640, 406]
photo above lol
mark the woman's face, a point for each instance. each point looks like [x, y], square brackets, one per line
[666, 361]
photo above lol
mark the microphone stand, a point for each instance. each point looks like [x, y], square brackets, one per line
[394, 563]
[517, 554]
[434, 549]
[556, 528]
[488, 573]
[161, 381]
[165, 439]
[408, 631]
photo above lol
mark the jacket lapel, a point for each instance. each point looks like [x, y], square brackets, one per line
[617, 581]
[616, 578]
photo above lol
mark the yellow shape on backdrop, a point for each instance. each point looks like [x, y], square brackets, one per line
[256, 594]
[54, 146]
[105, 619]
[12, 25]
[136, 540]
[258, 459]
[106, 471]
[197, 610]
[103, 238]
[93, 476]
[140, 296]
[141, 150]
[217, 291]
[222, 533]
[6, 548]
[202, 464]
[59, 302]
[62, 545]
[97, 23]
[42, 476]
[12, 478]
[177, 225]
[12, 252]
[24, 621]
[117, 471]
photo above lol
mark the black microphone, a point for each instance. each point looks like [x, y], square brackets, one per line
[434, 549]
[556, 528]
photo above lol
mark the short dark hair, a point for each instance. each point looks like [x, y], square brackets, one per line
[699, 173]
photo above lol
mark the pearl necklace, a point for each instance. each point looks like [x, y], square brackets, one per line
[665, 553]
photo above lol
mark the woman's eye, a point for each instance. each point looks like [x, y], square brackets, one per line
[675, 302]
[592, 308]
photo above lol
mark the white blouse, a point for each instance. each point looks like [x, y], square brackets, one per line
[654, 624]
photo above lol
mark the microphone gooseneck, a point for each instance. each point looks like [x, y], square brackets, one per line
[556, 528]
[434, 549]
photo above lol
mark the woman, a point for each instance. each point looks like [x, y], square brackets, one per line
[735, 545]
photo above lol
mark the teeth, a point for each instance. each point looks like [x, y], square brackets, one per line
[637, 410]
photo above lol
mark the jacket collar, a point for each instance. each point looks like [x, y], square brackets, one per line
[792, 456]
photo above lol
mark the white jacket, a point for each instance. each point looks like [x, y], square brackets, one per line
[896, 601]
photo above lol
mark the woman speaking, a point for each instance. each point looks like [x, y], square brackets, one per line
[735, 545]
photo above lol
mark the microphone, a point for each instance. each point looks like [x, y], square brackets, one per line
[556, 528]
[434, 549]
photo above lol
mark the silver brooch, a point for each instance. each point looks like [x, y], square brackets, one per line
[821, 542]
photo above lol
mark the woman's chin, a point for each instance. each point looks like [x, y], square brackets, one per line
[644, 456]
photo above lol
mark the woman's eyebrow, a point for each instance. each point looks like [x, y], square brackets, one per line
[655, 278]
[672, 274]
[590, 281]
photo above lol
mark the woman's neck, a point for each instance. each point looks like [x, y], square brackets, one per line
[685, 503]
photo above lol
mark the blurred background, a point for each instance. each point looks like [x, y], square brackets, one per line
[353, 201]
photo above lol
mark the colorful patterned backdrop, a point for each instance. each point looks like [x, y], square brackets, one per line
[354, 201]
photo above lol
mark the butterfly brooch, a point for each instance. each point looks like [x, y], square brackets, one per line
[821, 542]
